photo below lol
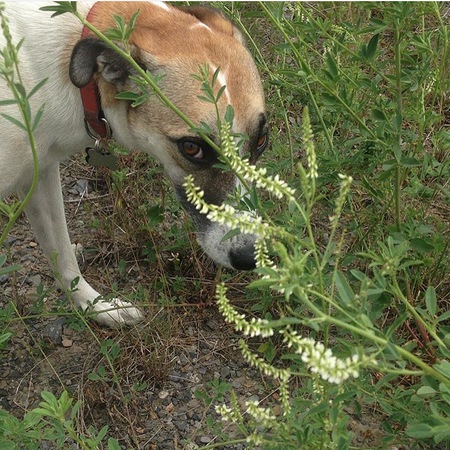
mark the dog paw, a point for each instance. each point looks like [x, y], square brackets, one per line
[114, 313]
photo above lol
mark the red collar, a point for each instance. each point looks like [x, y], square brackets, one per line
[90, 97]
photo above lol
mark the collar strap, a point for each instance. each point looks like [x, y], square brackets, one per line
[94, 118]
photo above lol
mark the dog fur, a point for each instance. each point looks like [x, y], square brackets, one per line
[166, 40]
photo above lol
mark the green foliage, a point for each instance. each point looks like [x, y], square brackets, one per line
[54, 421]
[350, 305]
[7, 269]
[61, 8]
[376, 98]
[376, 86]
[122, 31]
[216, 392]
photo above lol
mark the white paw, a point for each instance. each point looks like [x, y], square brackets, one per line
[114, 313]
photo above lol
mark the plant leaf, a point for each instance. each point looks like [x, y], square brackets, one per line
[372, 46]
[419, 430]
[332, 66]
[37, 117]
[345, 292]
[61, 8]
[8, 102]
[409, 162]
[232, 233]
[14, 121]
[4, 337]
[421, 245]
[431, 301]
[426, 391]
[113, 444]
[37, 87]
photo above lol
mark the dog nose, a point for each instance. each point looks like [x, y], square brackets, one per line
[243, 258]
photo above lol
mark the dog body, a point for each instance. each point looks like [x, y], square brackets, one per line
[166, 41]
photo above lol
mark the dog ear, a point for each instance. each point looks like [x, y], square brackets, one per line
[214, 19]
[90, 56]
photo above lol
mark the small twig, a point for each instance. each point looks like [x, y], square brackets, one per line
[425, 343]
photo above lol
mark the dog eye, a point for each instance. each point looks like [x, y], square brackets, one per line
[262, 142]
[192, 149]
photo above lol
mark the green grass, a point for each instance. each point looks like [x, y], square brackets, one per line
[376, 81]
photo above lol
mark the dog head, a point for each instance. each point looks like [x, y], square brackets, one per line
[175, 42]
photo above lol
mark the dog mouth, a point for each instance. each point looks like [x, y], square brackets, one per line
[237, 252]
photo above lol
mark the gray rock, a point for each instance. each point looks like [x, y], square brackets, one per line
[182, 425]
[35, 280]
[82, 186]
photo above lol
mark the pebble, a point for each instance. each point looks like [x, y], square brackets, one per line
[182, 425]
[52, 332]
[236, 383]
[213, 325]
[35, 280]
[82, 186]
[67, 342]
[190, 446]
[163, 395]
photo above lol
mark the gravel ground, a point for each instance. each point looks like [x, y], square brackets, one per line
[162, 374]
[165, 367]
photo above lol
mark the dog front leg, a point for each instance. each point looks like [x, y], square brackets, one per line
[45, 212]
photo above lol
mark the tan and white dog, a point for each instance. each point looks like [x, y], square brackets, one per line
[167, 40]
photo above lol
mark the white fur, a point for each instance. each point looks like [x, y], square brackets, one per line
[161, 5]
[202, 25]
[60, 134]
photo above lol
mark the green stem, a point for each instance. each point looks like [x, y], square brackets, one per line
[369, 334]
[320, 116]
[22, 103]
[443, 74]
[74, 435]
[399, 119]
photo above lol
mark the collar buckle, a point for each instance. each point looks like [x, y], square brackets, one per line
[94, 134]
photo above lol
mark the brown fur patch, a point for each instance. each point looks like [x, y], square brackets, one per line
[175, 38]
